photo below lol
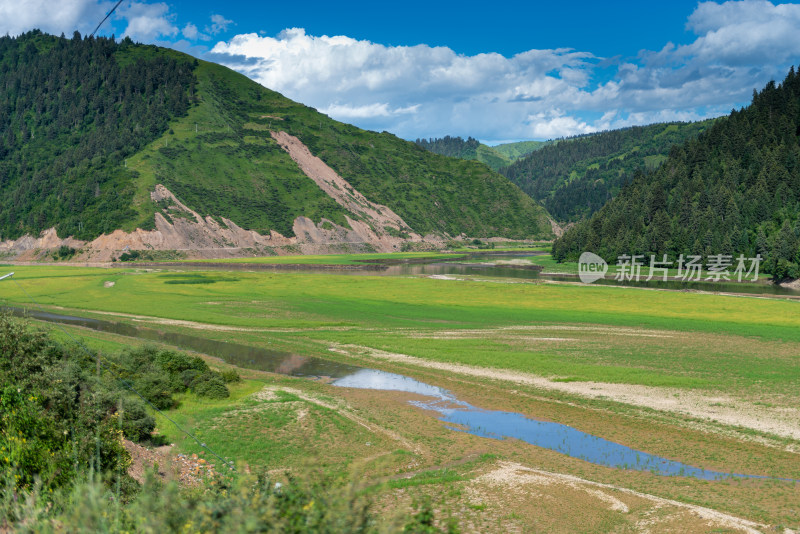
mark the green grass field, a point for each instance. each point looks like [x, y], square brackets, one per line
[739, 352]
[407, 315]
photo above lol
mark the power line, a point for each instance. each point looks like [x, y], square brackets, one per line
[105, 18]
[124, 382]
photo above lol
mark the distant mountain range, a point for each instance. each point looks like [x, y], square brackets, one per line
[495, 157]
[577, 176]
[574, 177]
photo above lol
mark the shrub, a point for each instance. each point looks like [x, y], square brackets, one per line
[177, 362]
[156, 389]
[133, 255]
[210, 386]
[53, 409]
[230, 376]
[137, 423]
[188, 377]
[64, 253]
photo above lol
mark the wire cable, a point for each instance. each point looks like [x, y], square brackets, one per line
[105, 18]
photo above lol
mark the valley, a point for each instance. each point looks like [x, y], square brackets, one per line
[683, 383]
[223, 310]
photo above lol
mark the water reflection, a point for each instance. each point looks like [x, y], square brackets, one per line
[460, 415]
[464, 417]
[490, 265]
[245, 356]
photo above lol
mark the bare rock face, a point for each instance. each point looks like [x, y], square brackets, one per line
[179, 228]
[372, 227]
[371, 222]
[28, 247]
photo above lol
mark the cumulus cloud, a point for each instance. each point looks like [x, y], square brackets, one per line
[739, 45]
[415, 88]
[148, 21]
[368, 111]
[191, 33]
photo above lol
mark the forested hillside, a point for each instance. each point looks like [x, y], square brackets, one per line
[577, 176]
[734, 190]
[88, 127]
[495, 157]
[71, 111]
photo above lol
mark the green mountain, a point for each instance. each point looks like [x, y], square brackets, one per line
[90, 127]
[733, 190]
[495, 157]
[520, 149]
[577, 176]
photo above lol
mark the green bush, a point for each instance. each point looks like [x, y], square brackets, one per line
[64, 253]
[137, 423]
[210, 386]
[242, 504]
[55, 414]
[177, 362]
[133, 255]
[156, 389]
[230, 376]
[188, 376]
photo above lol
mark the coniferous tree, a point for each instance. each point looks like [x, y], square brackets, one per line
[71, 111]
[733, 190]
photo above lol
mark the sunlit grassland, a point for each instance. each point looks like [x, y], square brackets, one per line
[711, 341]
[285, 430]
[549, 265]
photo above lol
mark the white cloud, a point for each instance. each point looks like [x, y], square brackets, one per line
[19, 16]
[219, 24]
[555, 124]
[736, 33]
[419, 90]
[190, 31]
[141, 21]
[539, 93]
[148, 21]
[369, 111]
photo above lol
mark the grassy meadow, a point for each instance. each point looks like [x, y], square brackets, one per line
[737, 353]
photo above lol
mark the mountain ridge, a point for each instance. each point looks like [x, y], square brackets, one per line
[218, 154]
[495, 157]
[577, 176]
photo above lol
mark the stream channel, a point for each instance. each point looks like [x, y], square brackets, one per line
[458, 415]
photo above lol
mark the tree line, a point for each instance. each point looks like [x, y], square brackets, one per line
[733, 190]
[71, 111]
[576, 176]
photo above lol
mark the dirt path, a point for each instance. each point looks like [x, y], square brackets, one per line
[514, 477]
[180, 322]
[784, 422]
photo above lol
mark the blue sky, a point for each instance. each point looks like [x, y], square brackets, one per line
[604, 28]
[514, 70]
